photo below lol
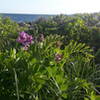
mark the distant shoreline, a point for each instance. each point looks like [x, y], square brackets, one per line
[18, 17]
[24, 17]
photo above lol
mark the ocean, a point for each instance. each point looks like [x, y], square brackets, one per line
[25, 17]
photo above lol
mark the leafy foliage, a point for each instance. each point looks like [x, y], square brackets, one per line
[41, 77]
[55, 66]
[8, 33]
[79, 27]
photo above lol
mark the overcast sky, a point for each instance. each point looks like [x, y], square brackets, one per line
[49, 6]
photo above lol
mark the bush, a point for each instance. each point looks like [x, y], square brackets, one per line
[8, 33]
[46, 71]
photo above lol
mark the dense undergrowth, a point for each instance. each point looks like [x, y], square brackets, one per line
[50, 59]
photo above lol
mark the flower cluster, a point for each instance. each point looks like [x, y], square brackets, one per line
[25, 39]
[58, 57]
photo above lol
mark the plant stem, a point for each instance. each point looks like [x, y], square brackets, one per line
[16, 82]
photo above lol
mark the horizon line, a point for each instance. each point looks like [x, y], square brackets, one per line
[47, 13]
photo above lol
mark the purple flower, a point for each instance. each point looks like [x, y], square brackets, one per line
[58, 57]
[25, 39]
[22, 37]
[29, 38]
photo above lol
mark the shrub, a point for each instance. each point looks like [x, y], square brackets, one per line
[47, 72]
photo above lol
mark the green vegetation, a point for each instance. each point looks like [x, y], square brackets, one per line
[51, 59]
[98, 98]
[81, 28]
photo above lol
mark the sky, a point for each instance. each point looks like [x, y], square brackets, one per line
[49, 6]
